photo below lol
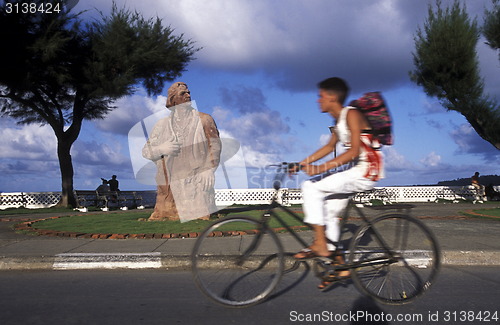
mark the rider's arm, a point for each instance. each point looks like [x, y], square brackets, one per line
[321, 152]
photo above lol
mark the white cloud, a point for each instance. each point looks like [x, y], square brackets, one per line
[433, 106]
[28, 142]
[431, 160]
[233, 33]
[489, 67]
[129, 111]
[235, 166]
[395, 161]
[252, 122]
[93, 153]
[297, 43]
[219, 113]
[260, 130]
[468, 141]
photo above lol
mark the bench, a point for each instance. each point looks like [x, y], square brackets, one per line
[132, 199]
[85, 199]
[381, 194]
[448, 194]
[467, 192]
[103, 200]
[111, 197]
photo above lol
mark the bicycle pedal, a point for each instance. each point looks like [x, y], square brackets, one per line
[329, 282]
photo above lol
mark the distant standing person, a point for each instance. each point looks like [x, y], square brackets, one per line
[478, 187]
[113, 184]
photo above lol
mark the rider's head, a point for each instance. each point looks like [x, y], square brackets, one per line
[337, 86]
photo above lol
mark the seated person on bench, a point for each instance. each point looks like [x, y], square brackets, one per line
[103, 188]
[491, 193]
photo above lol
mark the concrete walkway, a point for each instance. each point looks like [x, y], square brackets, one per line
[463, 241]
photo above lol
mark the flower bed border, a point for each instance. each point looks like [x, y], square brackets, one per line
[28, 226]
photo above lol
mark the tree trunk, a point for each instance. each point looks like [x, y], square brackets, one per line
[66, 167]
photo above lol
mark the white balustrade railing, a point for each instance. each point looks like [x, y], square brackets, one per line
[226, 197]
[30, 200]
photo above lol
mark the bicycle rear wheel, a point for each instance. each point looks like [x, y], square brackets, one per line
[237, 262]
[405, 273]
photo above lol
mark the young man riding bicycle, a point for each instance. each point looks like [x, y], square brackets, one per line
[327, 195]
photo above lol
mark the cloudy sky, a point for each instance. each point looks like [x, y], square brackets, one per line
[256, 75]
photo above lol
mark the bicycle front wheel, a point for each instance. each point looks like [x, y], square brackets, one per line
[396, 258]
[237, 261]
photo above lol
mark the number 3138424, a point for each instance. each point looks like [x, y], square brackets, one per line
[471, 316]
[32, 8]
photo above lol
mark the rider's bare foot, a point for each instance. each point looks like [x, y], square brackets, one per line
[320, 250]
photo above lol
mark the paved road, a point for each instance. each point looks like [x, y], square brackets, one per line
[158, 297]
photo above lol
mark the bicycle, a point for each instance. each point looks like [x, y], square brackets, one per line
[238, 261]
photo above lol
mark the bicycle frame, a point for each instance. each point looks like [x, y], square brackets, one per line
[270, 212]
[266, 216]
[379, 242]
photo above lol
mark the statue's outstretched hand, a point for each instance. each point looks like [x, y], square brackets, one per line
[169, 148]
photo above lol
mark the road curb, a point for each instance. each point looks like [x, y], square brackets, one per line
[27, 263]
[72, 261]
[176, 262]
[470, 258]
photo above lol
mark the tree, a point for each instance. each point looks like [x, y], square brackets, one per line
[491, 26]
[446, 66]
[56, 70]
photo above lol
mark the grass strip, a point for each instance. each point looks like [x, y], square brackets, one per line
[489, 212]
[128, 223]
[493, 213]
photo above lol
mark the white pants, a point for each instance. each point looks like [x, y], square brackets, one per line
[325, 199]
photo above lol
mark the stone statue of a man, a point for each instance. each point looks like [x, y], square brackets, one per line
[185, 147]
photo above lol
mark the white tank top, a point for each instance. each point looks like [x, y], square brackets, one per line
[370, 160]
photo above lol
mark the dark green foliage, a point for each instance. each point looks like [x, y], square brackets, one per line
[128, 47]
[445, 58]
[58, 71]
[36, 66]
[446, 66]
[491, 27]
[485, 180]
[54, 67]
